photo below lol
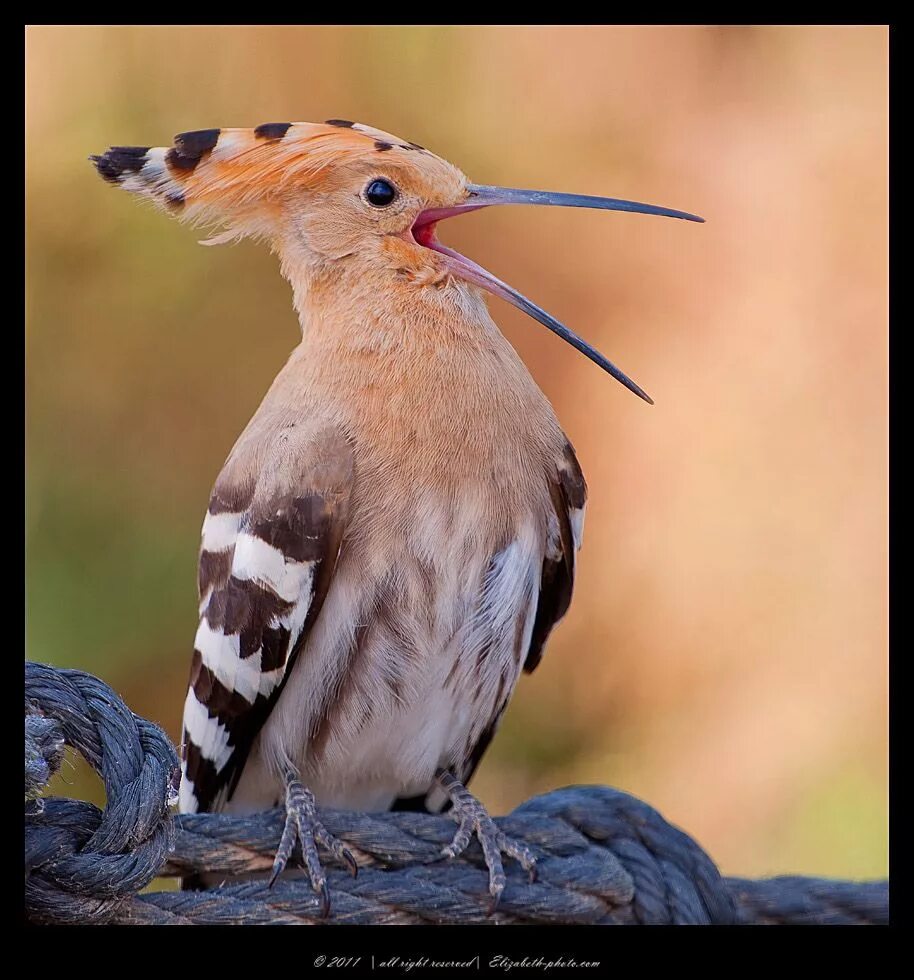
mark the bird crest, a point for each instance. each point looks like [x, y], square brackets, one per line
[239, 178]
[323, 192]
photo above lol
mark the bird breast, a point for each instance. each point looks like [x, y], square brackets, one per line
[425, 626]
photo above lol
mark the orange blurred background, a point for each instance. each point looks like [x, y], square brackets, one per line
[725, 655]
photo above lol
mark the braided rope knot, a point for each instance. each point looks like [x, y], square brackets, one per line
[603, 857]
[82, 862]
[44, 749]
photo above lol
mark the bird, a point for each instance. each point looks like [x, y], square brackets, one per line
[393, 536]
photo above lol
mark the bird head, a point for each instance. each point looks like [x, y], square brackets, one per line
[325, 193]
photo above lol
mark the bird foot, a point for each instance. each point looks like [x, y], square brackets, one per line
[303, 826]
[473, 818]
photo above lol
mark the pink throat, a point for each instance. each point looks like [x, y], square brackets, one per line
[424, 234]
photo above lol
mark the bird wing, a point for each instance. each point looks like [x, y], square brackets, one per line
[569, 498]
[269, 547]
[568, 491]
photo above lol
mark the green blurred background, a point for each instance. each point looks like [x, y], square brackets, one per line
[725, 656]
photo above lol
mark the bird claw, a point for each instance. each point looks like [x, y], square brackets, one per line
[473, 819]
[303, 827]
[325, 901]
[350, 862]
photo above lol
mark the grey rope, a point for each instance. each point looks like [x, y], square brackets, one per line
[81, 864]
[44, 748]
[603, 857]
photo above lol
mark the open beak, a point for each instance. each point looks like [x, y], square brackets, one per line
[481, 196]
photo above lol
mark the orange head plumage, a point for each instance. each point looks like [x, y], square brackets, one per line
[324, 192]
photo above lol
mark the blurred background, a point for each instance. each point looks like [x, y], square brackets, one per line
[725, 655]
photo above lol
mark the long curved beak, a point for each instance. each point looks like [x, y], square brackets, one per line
[482, 196]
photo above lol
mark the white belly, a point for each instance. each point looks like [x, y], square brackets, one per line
[405, 668]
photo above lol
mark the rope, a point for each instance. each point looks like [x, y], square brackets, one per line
[603, 857]
[44, 746]
[81, 865]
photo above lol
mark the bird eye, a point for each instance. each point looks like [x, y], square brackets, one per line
[380, 193]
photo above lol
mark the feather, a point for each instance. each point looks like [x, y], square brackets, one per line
[263, 574]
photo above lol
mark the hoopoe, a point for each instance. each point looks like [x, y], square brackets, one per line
[393, 536]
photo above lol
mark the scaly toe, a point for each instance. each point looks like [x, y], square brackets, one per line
[335, 846]
[520, 852]
[473, 819]
[286, 846]
[303, 827]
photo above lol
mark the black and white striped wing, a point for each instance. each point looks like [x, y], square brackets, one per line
[269, 546]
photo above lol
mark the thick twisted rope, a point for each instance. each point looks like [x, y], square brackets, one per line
[82, 864]
[603, 857]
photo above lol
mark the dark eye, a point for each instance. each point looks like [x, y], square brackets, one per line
[379, 193]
